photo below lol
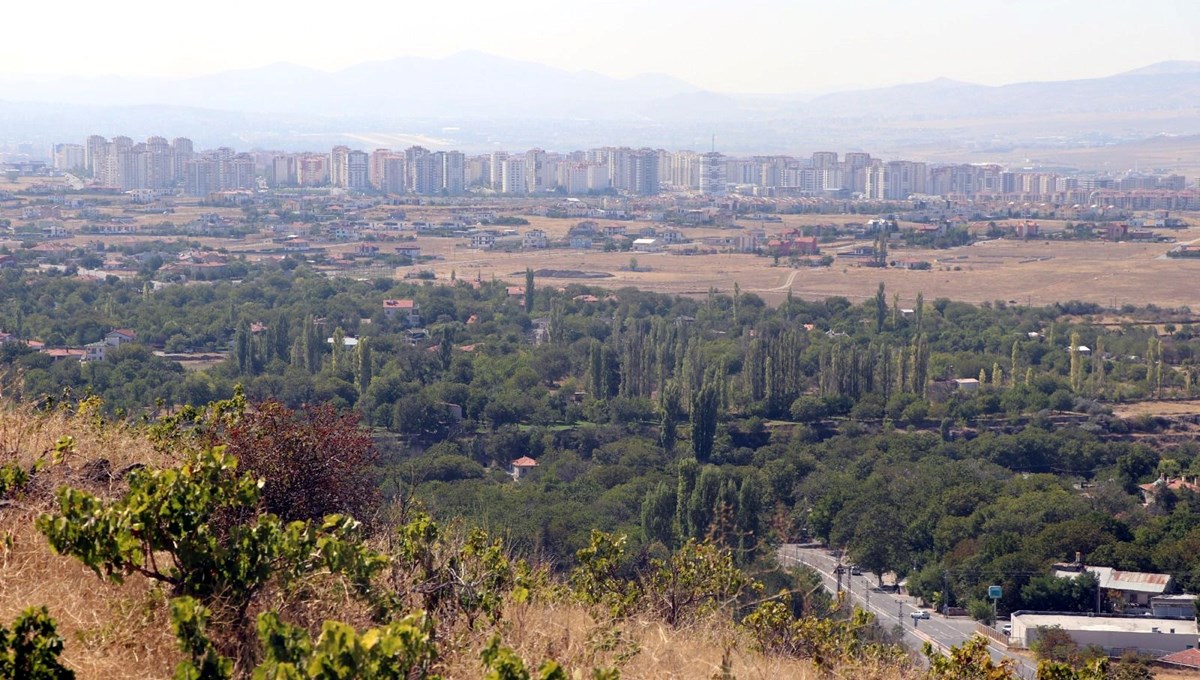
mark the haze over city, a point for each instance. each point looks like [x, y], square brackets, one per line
[758, 46]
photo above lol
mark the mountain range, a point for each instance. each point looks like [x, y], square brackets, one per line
[474, 100]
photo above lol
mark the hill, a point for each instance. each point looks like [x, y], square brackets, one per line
[479, 102]
[124, 628]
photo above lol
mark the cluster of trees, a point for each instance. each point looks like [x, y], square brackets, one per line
[671, 419]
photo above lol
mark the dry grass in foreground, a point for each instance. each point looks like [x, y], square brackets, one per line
[124, 630]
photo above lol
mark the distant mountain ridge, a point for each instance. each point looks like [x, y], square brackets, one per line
[475, 85]
[485, 85]
[477, 101]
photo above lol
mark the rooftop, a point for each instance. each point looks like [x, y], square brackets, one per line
[1114, 579]
[1115, 624]
[1188, 658]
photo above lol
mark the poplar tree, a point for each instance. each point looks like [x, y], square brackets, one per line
[658, 515]
[529, 290]
[1012, 369]
[669, 412]
[689, 470]
[702, 505]
[1098, 367]
[919, 312]
[704, 421]
[880, 308]
[363, 371]
[282, 341]
[241, 347]
[1076, 364]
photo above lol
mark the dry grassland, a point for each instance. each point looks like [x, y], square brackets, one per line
[1027, 272]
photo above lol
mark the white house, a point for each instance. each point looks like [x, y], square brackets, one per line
[521, 466]
[646, 245]
[967, 384]
[483, 241]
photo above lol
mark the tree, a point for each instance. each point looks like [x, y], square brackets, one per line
[658, 515]
[529, 290]
[362, 371]
[170, 526]
[1051, 593]
[1076, 364]
[878, 544]
[670, 412]
[880, 308]
[704, 421]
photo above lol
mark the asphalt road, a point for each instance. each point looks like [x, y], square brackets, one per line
[891, 609]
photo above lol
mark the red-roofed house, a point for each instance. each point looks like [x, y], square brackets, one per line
[1188, 658]
[1150, 491]
[65, 353]
[522, 465]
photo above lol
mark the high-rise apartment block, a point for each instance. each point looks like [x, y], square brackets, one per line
[122, 164]
[70, 157]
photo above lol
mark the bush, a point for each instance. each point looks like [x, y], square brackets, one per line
[981, 610]
[1056, 644]
[315, 462]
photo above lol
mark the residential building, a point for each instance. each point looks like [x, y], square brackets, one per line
[339, 166]
[521, 466]
[1127, 590]
[357, 170]
[69, 156]
[712, 174]
[534, 239]
[406, 310]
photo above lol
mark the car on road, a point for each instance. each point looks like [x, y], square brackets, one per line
[920, 614]
[855, 571]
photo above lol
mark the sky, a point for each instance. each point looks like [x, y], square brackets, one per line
[763, 46]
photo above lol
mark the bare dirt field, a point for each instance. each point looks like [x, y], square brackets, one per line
[1158, 408]
[1026, 272]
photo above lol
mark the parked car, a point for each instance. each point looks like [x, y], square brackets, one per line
[855, 571]
[1006, 629]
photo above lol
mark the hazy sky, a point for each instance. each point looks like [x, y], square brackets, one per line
[734, 45]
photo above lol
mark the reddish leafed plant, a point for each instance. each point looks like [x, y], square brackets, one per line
[314, 462]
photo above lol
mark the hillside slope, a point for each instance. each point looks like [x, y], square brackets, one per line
[124, 630]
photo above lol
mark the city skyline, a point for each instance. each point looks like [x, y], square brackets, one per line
[157, 166]
[766, 46]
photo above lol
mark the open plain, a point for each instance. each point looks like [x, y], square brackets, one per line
[1038, 271]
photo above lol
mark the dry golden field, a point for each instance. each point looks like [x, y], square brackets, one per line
[1031, 272]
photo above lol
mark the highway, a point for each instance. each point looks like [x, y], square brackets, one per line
[891, 609]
